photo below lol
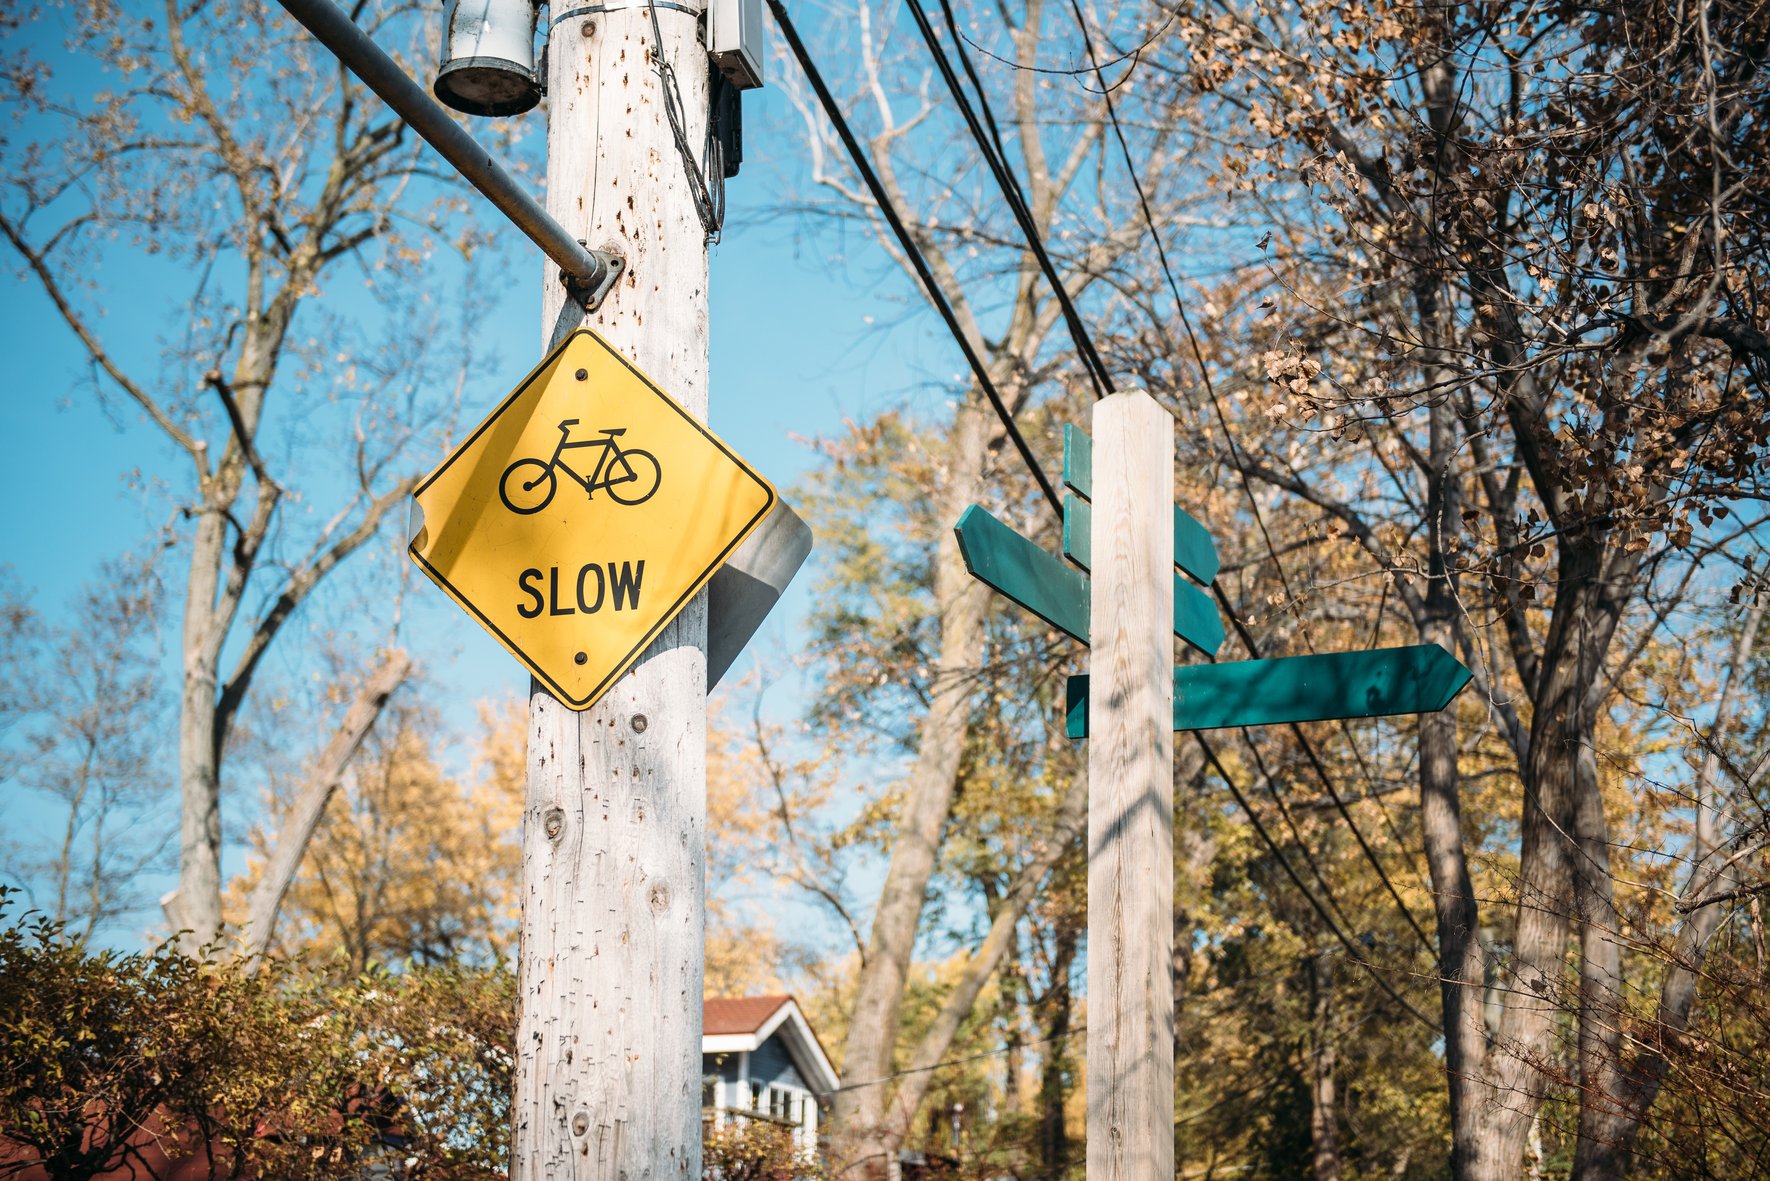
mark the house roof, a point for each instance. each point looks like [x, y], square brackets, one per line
[738, 1014]
[740, 1024]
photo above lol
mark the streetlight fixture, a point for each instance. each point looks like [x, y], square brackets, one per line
[488, 65]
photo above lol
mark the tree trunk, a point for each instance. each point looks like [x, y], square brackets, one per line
[297, 829]
[1516, 1079]
[1461, 964]
[1013, 992]
[1598, 1150]
[863, 1141]
[218, 576]
[195, 905]
[1555, 781]
[1324, 1108]
[1607, 1143]
[932, 1047]
[300, 199]
[1053, 1131]
[1589, 602]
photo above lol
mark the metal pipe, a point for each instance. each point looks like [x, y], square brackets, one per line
[581, 267]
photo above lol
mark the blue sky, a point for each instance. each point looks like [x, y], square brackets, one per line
[800, 341]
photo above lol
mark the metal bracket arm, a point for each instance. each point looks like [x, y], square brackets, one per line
[590, 272]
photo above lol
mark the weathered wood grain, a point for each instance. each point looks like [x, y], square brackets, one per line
[1131, 794]
[608, 1042]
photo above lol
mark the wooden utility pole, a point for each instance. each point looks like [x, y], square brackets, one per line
[1131, 794]
[608, 1041]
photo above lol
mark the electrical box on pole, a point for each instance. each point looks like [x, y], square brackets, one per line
[734, 40]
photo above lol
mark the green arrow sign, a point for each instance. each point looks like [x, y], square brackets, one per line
[1195, 613]
[1422, 678]
[1194, 551]
[1008, 562]
[1057, 593]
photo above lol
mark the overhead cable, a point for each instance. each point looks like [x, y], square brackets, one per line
[706, 178]
[989, 116]
[912, 251]
[1352, 952]
[1284, 814]
[1010, 187]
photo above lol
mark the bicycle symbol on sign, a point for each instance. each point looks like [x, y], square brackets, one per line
[629, 475]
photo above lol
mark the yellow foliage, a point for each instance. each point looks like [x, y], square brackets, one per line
[408, 862]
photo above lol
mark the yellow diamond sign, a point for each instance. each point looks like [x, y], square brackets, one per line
[582, 515]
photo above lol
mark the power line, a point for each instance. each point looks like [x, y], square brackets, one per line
[989, 115]
[1197, 1006]
[937, 297]
[1011, 192]
[1241, 628]
[1290, 823]
[913, 252]
[944, 1064]
[1266, 838]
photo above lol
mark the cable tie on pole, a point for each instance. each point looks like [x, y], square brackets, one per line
[706, 186]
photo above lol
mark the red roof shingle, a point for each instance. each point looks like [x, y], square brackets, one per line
[738, 1014]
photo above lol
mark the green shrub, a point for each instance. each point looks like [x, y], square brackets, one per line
[109, 1060]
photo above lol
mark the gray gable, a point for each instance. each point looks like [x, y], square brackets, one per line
[770, 1063]
[763, 1042]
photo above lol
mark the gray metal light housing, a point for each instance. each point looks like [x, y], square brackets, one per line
[488, 65]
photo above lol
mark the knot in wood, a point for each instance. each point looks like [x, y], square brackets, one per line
[553, 823]
[639, 723]
[581, 1124]
[660, 897]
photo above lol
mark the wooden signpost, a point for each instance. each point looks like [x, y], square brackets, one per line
[1119, 525]
[1131, 796]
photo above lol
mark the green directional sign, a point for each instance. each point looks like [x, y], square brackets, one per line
[1418, 679]
[1421, 678]
[1057, 593]
[1194, 551]
[1004, 560]
[1195, 614]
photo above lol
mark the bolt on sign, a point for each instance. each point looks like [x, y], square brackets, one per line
[582, 515]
